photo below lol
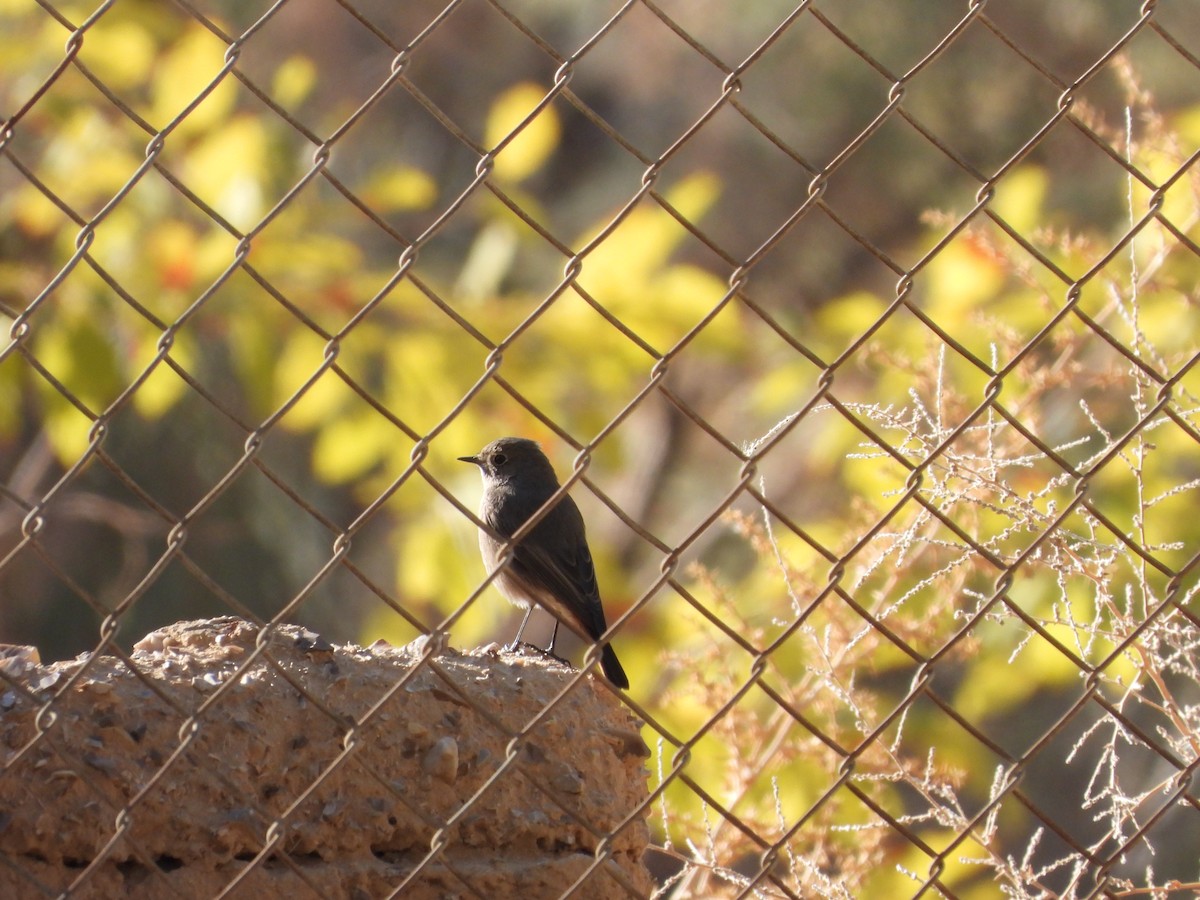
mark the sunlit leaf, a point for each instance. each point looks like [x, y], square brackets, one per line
[164, 388]
[67, 430]
[1019, 197]
[305, 261]
[399, 188]
[428, 561]
[1186, 124]
[646, 237]
[843, 320]
[227, 169]
[34, 214]
[294, 80]
[990, 688]
[172, 246]
[960, 277]
[121, 53]
[961, 871]
[530, 149]
[300, 357]
[183, 73]
[17, 9]
[82, 358]
[630, 272]
[350, 445]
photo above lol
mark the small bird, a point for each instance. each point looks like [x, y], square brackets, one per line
[551, 565]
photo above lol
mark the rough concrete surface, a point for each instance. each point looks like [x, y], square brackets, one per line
[210, 763]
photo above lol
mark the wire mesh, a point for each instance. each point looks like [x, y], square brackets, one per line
[871, 328]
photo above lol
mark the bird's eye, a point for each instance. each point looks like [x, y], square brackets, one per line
[499, 459]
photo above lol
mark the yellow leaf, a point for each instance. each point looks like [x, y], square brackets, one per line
[82, 358]
[226, 169]
[530, 148]
[991, 688]
[643, 242]
[66, 429]
[1187, 124]
[400, 188]
[120, 53]
[382, 623]
[182, 74]
[1179, 202]
[777, 388]
[684, 295]
[162, 390]
[426, 555]
[300, 357]
[215, 250]
[1019, 197]
[960, 278]
[963, 872]
[172, 247]
[293, 81]
[87, 162]
[841, 321]
[631, 274]
[694, 195]
[306, 261]
[36, 216]
[349, 446]
[17, 9]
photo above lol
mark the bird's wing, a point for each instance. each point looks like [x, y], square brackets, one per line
[555, 556]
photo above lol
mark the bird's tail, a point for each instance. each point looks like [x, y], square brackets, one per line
[612, 668]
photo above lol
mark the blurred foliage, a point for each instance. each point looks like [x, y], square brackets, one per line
[919, 581]
[285, 304]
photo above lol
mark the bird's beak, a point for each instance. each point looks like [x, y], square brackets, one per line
[470, 459]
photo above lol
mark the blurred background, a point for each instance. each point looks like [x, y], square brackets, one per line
[267, 271]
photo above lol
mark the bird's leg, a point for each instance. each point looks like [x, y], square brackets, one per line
[549, 651]
[516, 641]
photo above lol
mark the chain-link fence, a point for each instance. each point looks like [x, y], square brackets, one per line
[863, 334]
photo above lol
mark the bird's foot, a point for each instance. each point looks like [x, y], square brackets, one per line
[524, 646]
[516, 647]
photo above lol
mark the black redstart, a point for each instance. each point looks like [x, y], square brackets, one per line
[551, 565]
